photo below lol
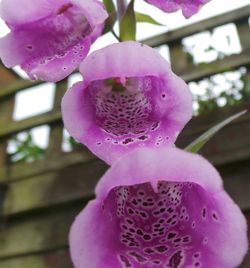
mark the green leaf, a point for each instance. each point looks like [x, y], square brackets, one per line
[140, 17]
[128, 23]
[110, 21]
[197, 144]
[26, 150]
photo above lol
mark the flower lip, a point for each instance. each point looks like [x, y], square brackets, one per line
[149, 165]
[50, 40]
[159, 220]
[188, 7]
[127, 100]
[129, 59]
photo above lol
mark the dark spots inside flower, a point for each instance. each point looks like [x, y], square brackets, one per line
[125, 261]
[204, 213]
[164, 236]
[138, 257]
[124, 227]
[149, 251]
[186, 239]
[139, 232]
[161, 248]
[29, 47]
[170, 210]
[64, 8]
[129, 221]
[127, 141]
[175, 260]
[144, 215]
[144, 137]
[214, 216]
[134, 202]
[197, 264]
[162, 210]
[131, 211]
[205, 240]
[197, 255]
[156, 262]
[177, 240]
[124, 108]
[147, 237]
[171, 235]
[132, 230]
[141, 193]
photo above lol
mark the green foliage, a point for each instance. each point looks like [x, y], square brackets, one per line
[197, 144]
[74, 145]
[235, 95]
[26, 150]
[128, 24]
[110, 21]
[140, 17]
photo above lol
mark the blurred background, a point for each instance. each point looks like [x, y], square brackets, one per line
[46, 177]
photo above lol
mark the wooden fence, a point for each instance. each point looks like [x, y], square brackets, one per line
[39, 200]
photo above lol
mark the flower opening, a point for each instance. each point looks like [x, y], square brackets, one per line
[121, 106]
[163, 208]
[50, 47]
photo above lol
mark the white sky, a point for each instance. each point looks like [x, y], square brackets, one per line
[40, 99]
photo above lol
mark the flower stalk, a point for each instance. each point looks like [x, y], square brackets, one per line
[121, 8]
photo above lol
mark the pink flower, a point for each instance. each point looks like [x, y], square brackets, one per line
[129, 98]
[49, 38]
[188, 7]
[159, 208]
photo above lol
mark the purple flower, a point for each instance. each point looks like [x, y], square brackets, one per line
[129, 98]
[188, 7]
[49, 38]
[159, 208]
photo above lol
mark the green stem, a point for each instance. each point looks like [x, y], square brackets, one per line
[115, 35]
[121, 8]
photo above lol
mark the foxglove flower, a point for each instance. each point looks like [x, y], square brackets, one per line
[159, 208]
[129, 98]
[49, 39]
[188, 7]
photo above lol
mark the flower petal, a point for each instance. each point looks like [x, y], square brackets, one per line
[86, 228]
[188, 7]
[93, 10]
[27, 11]
[164, 219]
[52, 45]
[126, 59]
[148, 165]
[129, 98]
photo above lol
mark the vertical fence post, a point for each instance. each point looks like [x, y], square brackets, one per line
[178, 57]
[244, 36]
[56, 129]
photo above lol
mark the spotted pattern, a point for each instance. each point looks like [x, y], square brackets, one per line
[127, 115]
[52, 38]
[163, 228]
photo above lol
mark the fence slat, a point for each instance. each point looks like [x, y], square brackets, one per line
[54, 259]
[68, 184]
[198, 27]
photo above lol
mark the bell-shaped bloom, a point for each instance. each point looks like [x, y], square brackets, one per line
[49, 39]
[161, 208]
[188, 7]
[129, 98]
